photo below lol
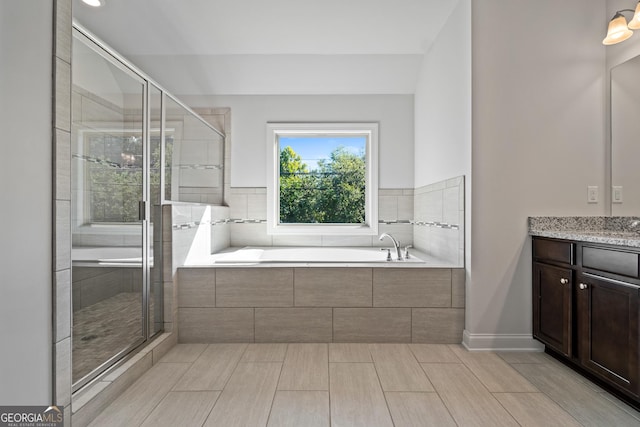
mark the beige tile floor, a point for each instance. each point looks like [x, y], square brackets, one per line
[306, 385]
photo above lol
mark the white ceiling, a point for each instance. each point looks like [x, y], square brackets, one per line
[272, 47]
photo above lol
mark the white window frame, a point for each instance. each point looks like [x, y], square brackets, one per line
[368, 129]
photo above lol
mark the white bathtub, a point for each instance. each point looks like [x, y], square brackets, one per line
[108, 257]
[308, 255]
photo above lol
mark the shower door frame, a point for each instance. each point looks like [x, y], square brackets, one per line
[144, 214]
[111, 55]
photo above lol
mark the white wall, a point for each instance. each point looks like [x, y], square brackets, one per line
[443, 103]
[25, 200]
[538, 142]
[443, 111]
[249, 115]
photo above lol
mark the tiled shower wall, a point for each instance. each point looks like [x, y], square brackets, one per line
[61, 290]
[439, 220]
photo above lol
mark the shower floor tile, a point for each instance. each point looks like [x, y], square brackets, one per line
[103, 329]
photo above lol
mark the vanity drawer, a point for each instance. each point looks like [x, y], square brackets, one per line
[553, 250]
[610, 260]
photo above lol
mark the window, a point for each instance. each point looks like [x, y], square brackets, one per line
[322, 178]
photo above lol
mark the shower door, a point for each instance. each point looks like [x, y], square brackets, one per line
[110, 248]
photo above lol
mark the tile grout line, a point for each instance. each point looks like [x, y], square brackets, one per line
[246, 346]
[487, 388]
[159, 402]
[451, 288]
[333, 309]
[476, 377]
[211, 410]
[329, 385]
[436, 391]
[507, 409]
[190, 366]
[411, 325]
[375, 368]
[273, 399]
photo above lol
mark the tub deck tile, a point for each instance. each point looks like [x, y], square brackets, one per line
[372, 325]
[333, 287]
[254, 287]
[293, 324]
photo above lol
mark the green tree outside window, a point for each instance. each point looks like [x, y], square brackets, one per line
[334, 193]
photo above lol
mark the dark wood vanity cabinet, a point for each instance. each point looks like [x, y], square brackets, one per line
[608, 329]
[553, 294]
[552, 306]
[586, 302]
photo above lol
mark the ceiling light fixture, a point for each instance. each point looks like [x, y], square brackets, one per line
[619, 30]
[94, 3]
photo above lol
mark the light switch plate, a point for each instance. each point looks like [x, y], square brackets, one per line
[592, 194]
[616, 194]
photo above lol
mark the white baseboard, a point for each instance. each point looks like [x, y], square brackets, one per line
[500, 342]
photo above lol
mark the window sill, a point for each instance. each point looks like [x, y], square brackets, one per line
[322, 229]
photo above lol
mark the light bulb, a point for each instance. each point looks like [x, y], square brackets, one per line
[94, 3]
[634, 24]
[618, 30]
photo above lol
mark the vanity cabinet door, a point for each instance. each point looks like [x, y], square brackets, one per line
[552, 306]
[608, 329]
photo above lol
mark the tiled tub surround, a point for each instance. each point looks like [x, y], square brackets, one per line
[614, 230]
[431, 218]
[269, 303]
[248, 215]
[191, 232]
[198, 230]
[438, 218]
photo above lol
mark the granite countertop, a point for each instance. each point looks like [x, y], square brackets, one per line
[609, 230]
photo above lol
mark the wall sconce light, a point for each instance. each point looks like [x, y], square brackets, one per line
[619, 30]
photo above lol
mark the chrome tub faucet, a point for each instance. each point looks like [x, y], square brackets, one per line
[396, 245]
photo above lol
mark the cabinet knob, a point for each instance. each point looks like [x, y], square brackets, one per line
[583, 286]
[564, 281]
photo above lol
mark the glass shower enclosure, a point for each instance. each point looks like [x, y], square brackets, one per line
[127, 158]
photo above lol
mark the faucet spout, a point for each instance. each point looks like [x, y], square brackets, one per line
[396, 245]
